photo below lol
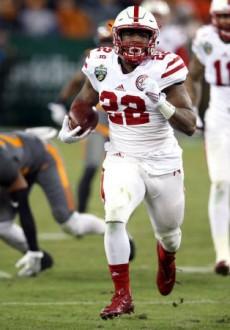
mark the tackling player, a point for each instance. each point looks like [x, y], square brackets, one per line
[143, 93]
[211, 61]
[26, 160]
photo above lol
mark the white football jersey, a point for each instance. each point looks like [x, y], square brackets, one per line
[171, 38]
[137, 129]
[214, 54]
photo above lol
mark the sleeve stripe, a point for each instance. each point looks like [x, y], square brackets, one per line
[177, 68]
[173, 61]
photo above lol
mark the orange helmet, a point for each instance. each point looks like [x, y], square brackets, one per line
[104, 33]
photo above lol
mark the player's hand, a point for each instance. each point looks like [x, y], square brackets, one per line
[30, 263]
[151, 89]
[199, 122]
[70, 136]
[58, 112]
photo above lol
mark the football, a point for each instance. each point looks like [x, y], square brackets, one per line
[82, 114]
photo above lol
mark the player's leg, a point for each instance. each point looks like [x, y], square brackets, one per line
[123, 190]
[13, 235]
[219, 223]
[54, 182]
[94, 153]
[218, 160]
[10, 232]
[165, 203]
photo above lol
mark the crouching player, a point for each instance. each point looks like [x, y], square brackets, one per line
[24, 161]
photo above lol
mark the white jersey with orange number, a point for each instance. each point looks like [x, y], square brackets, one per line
[137, 129]
[214, 54]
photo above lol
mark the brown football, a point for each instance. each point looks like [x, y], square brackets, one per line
[82, 114]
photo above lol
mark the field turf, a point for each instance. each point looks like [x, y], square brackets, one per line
[71, 295]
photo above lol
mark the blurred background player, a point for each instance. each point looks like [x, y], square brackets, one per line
[94, 146]
[172, 37]
[26, 160]
[211, 61]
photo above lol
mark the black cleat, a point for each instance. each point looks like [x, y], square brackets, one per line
[46, 261]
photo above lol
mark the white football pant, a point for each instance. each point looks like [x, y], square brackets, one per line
[126, 184]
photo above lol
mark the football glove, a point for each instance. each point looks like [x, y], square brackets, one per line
[57, 112]
[151, 89]
[158, 99]
[70, 136]
[30, 264]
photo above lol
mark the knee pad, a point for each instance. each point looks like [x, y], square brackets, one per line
[170, 240]
[119, 207]
[219, 188]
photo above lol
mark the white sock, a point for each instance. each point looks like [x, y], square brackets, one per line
[219, 207]
[13, 235]
[80, 224]
[116, 243]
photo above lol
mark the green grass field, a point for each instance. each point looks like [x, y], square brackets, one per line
[71, 295]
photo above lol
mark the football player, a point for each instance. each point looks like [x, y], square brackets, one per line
[143, 93]
[172, 36]
[26, 160]
[211, 61]
[94, 148]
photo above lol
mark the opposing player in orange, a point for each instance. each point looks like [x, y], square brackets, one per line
[211, 61]
[26, 160]
[143, 93]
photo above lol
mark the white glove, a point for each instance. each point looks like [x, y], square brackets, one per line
[58, 112]
[69, 136]
[199, 123]
[151, 89]
[30, 263]
[158, 99]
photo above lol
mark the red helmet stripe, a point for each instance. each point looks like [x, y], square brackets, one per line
[136, 14]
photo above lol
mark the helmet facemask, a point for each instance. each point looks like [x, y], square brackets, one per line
[134, 52]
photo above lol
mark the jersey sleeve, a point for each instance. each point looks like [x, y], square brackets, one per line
[89, 67]
[199, 42]
[174, 71]
[8, 169]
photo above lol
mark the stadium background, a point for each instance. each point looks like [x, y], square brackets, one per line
[37, 58]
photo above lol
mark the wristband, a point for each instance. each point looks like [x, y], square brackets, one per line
[165, 107]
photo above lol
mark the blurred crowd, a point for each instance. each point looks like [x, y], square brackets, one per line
[78, 19]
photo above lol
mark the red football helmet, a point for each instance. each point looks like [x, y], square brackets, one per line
[220, 13]
[135, 17]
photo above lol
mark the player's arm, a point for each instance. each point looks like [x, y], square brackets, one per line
[73, 87]
[88, 96]
[183, 118]
[194, 80]
[58, 109]
[19, 193]
[173, 103]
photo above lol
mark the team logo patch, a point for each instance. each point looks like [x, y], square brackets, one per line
[207, 48]
[140, 80]
[100, 72]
